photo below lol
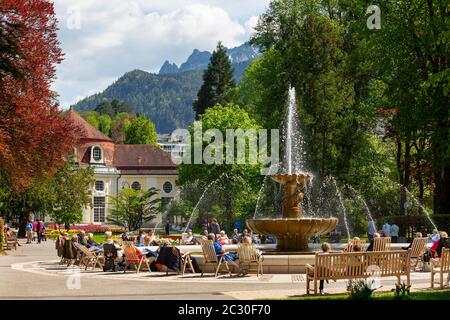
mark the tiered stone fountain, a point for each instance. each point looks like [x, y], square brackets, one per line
[292, 230]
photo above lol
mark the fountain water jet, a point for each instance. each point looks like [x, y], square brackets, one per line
[292, 230]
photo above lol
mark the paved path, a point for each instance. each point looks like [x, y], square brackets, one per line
[33, 271]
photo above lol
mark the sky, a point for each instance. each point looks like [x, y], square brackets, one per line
[103, 39]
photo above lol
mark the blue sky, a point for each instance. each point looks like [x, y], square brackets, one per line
[103, 39]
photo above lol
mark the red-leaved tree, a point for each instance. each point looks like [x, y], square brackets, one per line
[34, 137]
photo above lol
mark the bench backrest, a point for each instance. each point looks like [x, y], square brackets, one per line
[418, 247]
[382, 244]
[130, 251]
[353, 265]
[208, 251]
[247, 252]
[445, 260]
[352, 243]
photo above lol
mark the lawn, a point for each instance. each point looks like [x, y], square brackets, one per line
[418, 295]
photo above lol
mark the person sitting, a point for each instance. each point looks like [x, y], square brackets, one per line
[91, 244]
[205, 234]
[224, 238]
[351, 246]
[82, 237]
[418, 235]
[228, 256]
[244, 234]
[154, 240]
[124, 237]
[235, 236]
[375, 235]
[436, 249]
[140, 238]
[326, 248]
[188, 238]
[434, 236]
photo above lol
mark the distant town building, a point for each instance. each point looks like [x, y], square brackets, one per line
[174, 144]
[119, 166]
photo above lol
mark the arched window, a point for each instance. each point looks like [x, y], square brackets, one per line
[97, 154]
[99, 185]
[136, 185]
[167, 187]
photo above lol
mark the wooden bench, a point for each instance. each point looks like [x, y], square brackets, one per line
[418, 248]
[358, 265]
[10, 243]
[382, 244]
[441, 266]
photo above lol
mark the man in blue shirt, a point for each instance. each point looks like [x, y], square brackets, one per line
[228, 256]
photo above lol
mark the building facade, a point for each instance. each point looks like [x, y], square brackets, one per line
[119, 166]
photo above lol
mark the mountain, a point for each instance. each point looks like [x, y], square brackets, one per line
[168, 68]
[167, 97]
[240, 58]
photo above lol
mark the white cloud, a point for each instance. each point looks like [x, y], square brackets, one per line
[116, 36]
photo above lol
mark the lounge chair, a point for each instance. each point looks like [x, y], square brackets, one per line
[211, 257]
[248, 256]
[132, 258]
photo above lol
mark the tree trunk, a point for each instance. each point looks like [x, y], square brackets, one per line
[442, 191]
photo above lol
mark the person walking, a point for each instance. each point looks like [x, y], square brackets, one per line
[371, 230]
[167, 228]
[39, 229]
[386, 229]
[394, 232]
[29, 231]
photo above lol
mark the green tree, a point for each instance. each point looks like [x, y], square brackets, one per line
[132, 208]
[105, 108]
[92, 118]
[234, 180]
[218, 83]
[120, 107]
[141, 131]
[67, 193]
[104, 124]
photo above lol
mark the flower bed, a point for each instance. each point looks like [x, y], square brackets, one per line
[92, 228]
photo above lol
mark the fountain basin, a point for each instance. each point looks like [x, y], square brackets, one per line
[293, 233]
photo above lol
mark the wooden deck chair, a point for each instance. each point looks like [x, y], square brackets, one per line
[352, 243]
[211, 257]
[132, 258]
[89, 258]
[441, 266]
[382, 244]
[418, 248]
[249, 256]
[187, 262]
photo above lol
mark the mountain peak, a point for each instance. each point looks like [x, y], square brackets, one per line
[168, 68]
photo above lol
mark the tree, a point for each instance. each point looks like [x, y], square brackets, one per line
[141, 131]
[62, 196]
[33, 132]
[132, 208]
[104, 124]
[120, 107]
[233, 180]
[218, 83]
[118, 126]
[68, 192]
[92, 118]
[105, 108]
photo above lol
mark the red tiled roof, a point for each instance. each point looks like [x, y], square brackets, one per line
[86, 130]
[128, 156]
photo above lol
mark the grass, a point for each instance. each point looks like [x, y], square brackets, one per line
[418, 295]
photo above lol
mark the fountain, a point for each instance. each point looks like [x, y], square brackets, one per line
[292, 230]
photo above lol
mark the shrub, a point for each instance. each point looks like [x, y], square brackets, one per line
[402, 291]
[359, 290]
